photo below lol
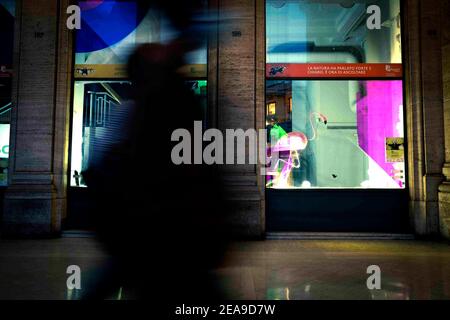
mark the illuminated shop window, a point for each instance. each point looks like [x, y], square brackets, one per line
[336, 141]
[94, 103]
[7, 15]
[307, 31]
[336, 126]
[110, 32]
[98, 108]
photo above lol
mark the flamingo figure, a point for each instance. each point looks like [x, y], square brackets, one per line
[294, 143]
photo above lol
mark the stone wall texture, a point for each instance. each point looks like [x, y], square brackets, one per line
[444, 195]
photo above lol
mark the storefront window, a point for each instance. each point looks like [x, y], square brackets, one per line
[110, 32]
[334, 95]
[98, 109]
[332, 32]
[94, 103]
[7, 15]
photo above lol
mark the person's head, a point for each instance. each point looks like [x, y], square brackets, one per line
[153, 65]
[181, 14]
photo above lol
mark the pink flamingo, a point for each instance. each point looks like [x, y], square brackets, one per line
[294, 143]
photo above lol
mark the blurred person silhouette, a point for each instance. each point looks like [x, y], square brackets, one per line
[163, 224]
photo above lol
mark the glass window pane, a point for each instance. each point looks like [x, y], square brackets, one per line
[332, 32]
[339, 134]
[94, 104]
[110, 32]
[99, 109]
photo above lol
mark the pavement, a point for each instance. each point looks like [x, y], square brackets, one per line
[253, 270]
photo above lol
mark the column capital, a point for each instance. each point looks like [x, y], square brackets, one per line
[446, 171]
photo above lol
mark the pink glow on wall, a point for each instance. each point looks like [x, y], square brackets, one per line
[379, 117]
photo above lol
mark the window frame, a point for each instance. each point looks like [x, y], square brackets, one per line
[349, 49]
[74, 80]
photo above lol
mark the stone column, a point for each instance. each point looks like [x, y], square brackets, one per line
[35, 199]
[444, 194]
[424, 112]
[236, 82]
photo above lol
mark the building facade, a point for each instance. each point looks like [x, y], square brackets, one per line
[247, 82]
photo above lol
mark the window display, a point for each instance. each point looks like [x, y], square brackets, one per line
[94, 102]
[324, 39]
[334, 125]
[340, 134]
[111, 30]
[93, 124]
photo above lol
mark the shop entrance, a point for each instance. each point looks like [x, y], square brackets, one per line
[334, 113]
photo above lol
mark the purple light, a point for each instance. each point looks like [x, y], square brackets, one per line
[379, 117]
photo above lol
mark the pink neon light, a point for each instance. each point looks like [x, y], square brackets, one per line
[379, 115]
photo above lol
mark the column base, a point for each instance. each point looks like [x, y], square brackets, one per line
[424, 218]
[245, 220]
[30, 211]
[247, 215]
[444, 209]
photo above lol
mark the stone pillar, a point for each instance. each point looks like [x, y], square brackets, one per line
[236, 82]
[444, 194]
[34, 202]
[424, 112]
